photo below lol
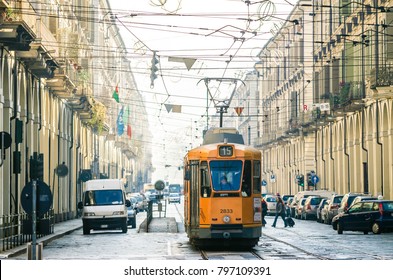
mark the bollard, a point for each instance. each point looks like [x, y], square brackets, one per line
[39, 247]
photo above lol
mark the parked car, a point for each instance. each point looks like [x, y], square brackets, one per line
[347, 200]
[271, 202]
[288, 206]
[285, 197]
[332, 208]
[134, 203]
[304, 194]
[151, 195]
[322, 207]
[295, 202]
[362, 198]
[299, 208]
[174, 198]
[309, 210]
[131, 215]
[141, 202]
[368, 215]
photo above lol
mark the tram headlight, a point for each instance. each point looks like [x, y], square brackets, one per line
[226, 219]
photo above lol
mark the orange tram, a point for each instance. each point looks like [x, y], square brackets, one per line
[222, 191]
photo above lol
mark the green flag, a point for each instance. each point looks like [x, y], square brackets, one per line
[115, 94]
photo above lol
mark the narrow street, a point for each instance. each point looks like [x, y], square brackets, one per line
[307, 240]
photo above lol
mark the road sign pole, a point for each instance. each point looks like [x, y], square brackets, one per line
[34, 220]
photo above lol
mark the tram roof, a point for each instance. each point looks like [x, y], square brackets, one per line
[223, 135]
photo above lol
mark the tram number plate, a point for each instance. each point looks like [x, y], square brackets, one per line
[225, 151]
[225, 211]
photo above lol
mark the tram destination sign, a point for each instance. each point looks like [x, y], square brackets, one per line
[225, 151]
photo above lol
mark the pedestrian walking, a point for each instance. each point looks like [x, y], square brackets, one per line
[280, 211]
[264, 211]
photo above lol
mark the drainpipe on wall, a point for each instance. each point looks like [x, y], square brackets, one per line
[58, 162]
[2, 140]
[323, 159]
[28, 96]
[364, 146]
[13, 117]
[347, 154]
[70, 160]
[331, 157]
[379, 143]
[39, 107]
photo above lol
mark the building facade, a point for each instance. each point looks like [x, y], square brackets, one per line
[326, 99]
[58, 110]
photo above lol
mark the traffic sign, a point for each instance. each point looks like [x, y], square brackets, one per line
[5, 140]
[264, 183]
[44, 198]
[61, 170]
[159, 185]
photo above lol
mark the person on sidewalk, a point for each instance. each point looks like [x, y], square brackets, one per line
[280, 211]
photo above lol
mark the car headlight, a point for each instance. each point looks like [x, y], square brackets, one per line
[118, 213]
[88, 214]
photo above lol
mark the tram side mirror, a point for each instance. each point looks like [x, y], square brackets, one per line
[80, 205]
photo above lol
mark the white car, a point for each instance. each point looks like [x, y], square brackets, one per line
[271, 202]
[173, 198]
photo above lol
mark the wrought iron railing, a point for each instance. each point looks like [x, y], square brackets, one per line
[15, 229]
[349, 91]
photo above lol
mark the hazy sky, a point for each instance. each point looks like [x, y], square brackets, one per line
[193, 40]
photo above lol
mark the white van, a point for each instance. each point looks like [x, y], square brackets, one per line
[104, 205]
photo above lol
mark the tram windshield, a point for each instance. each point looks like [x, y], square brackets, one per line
[226, 175]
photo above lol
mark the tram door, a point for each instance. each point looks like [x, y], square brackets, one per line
[194, 194]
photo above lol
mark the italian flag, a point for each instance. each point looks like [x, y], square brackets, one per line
[115, 94]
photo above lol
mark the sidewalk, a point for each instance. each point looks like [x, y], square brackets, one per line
[63, 228]
[60, 229]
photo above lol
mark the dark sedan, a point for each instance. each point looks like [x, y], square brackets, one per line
[365, 216]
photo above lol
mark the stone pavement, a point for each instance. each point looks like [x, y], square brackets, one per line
[66, 227]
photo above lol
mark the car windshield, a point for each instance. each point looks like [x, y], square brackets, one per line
[271, 199]
[315, 200]
[337, 199]
[226, 174]
[350, 199]
[103, 197]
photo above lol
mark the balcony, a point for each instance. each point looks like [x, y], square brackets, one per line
[16, 35]
[349, 99]
[382, 81]
[61, 85]
[24, 33]
[39, 60]
[384, 77]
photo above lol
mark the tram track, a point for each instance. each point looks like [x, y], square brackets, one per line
[308, 253]
[229, 255]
